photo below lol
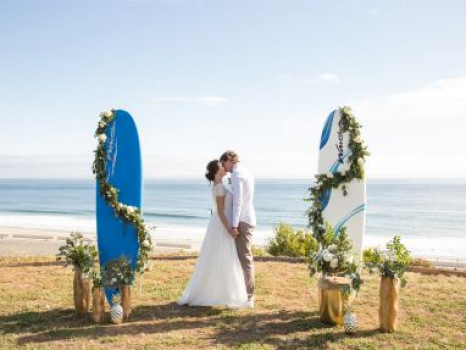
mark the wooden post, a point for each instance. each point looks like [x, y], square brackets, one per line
[389, 304]
[126, 300]
[98, 305]
[81, 292]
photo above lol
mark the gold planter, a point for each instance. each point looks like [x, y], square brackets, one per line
[126, 300]
[98, 304]
[332, 299]
[81, 292]
[389, 304]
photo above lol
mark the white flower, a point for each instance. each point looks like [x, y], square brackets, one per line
[330, 175]
[350, 259]
[102, 124]
[327, 256]
[332, 247]
[347, 110]
[360, 161]
[146, 243]
[358, 139]
[106, 114]
[113, 280]
[334, 263]
[130, 209]
[102, 138]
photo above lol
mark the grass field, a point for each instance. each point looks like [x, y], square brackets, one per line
[36, 312]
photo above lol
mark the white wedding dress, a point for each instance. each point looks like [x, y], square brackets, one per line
[218, 276]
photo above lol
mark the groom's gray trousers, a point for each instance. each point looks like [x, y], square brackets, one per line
[244, 248]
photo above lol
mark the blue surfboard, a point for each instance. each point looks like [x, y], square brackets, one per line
[116, 238]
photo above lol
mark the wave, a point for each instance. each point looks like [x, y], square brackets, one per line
[51, 211]
[175, 216]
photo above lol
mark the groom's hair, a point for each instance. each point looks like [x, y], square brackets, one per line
[229, 155]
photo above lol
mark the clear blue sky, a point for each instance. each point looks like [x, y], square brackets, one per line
[256, 76]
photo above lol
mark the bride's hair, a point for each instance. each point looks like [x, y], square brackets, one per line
[212, 168]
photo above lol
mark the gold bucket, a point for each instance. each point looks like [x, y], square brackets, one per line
[332, 298]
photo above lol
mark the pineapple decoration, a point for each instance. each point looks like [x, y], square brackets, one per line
[116, 311]
[349, 320]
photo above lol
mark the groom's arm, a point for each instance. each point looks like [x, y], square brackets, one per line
[237, 187]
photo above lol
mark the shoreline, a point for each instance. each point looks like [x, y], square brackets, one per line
[21, 241]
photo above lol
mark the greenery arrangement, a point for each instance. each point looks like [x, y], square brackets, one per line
[122, 273]
[77, 253]
[392, 262]
[98, 277]
[109, 192]
[325, 182]
[334, 257]
[288, 242]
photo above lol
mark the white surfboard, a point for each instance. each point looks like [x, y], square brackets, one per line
[338, 210]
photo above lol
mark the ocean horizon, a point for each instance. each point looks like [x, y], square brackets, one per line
[429, 214]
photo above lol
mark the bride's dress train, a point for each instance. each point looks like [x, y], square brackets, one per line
[218, 276]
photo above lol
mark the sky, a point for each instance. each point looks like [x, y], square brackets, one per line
[256, 76]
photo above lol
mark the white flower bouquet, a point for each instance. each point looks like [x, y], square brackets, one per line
[334, 257]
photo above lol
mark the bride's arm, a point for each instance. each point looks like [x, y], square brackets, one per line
[220, 211]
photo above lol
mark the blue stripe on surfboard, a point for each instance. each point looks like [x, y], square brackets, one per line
[338, 163]
[325, 198]
[345, 219]
[326, 130]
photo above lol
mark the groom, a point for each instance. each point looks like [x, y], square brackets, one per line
[244, 216]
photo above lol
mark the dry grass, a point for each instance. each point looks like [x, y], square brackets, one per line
[36, 312]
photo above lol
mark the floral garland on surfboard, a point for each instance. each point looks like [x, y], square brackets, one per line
[129, 214]
[325, 182]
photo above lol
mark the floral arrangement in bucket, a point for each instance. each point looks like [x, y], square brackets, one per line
[391, 264]
[98, 294]
[78, 253]
[121, 273]
[340, 281]
[82, 257]
[130, 214]
[334, 257]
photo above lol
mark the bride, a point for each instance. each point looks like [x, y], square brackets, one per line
[218, 277]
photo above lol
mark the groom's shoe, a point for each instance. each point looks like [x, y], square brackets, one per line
[250, 303]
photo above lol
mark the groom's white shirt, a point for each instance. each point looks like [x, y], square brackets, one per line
[243, 195]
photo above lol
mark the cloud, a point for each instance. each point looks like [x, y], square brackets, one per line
[440, 99]
[203, 100]
[324, 78]
[373, 12]
[329, 78]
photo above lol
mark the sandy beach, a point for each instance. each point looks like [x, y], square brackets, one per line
[19, 241]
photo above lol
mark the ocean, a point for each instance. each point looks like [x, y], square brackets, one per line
[430, 215]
